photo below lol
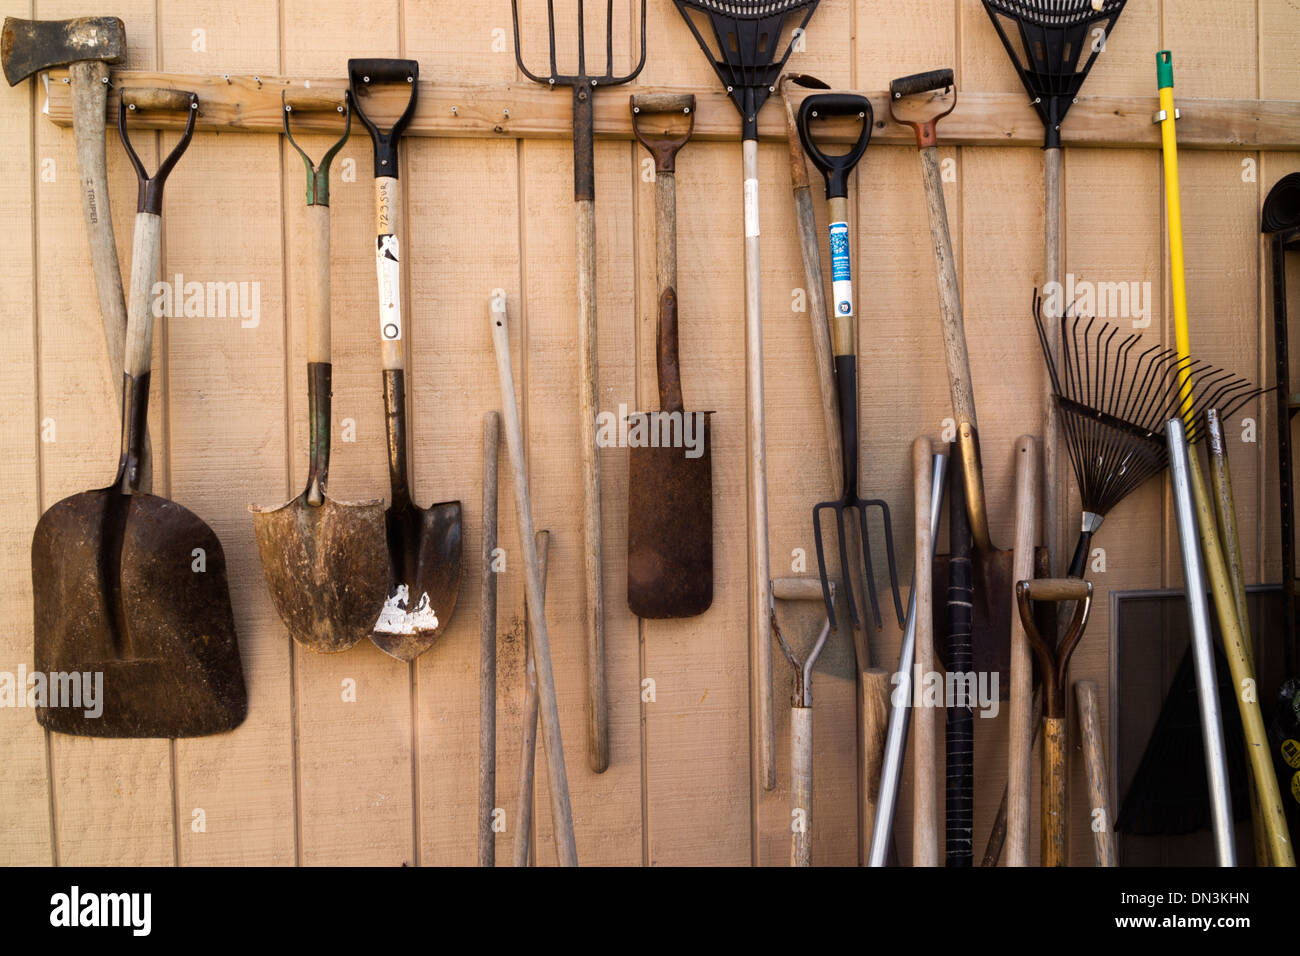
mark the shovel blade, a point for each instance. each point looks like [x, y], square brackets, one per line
[160, 641]
[326, 568]
[994, 579]
[424, 547]
[670, 531]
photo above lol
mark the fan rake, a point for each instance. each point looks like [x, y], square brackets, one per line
[1114, 399]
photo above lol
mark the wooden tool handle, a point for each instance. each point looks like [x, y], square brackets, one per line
[1052, 484]
[145, 250]
[155, 98]
[801, 786]
[844, 324]
[877, 684]
[487, 644]
[318, 283]
[1021, 720]
[1054, 796]
[388, 208]
[925, 805]
[756, 472]
[797, 589]
[528, 746]
[1094, 763]
[316, 99]
[954, 329]
[1057, 589]
[592, 532]
[549, 711]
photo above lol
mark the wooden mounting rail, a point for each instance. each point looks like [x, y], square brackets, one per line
[252, 104]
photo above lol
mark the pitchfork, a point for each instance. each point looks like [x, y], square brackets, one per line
[584, 194]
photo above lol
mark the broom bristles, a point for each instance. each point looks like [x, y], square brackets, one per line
[1115, 401]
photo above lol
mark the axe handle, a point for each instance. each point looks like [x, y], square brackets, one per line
[88, 80]
[528, 746]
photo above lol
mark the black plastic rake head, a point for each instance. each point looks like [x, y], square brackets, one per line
[1053, 44]
[748, 44]
[1116, 396]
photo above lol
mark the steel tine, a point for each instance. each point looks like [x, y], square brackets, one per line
[845, 565]
[550, 21]
[821, 560]
[864, 538]
[889, 556]
[582, 42]
[609, 38]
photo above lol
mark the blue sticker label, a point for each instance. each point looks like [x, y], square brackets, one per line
[840, 252]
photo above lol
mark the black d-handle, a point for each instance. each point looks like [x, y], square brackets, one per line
[363, 75]
[150, 193]
[823, 106]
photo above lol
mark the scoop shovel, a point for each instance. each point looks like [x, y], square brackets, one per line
[424, 544]
[325, 561]
[670, 479]
[129, 587]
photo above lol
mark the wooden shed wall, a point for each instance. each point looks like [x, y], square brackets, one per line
[311, 778]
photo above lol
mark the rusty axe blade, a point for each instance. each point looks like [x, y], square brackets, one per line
[29, 46]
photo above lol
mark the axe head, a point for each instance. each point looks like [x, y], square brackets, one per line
[29, 46]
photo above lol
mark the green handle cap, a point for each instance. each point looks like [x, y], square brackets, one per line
[1165, 69]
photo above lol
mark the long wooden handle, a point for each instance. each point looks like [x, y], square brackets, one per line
[756, 472]
[1054, 796]
[954, 329]
[549, 711]
[388, 212]
[487, 647]
[145, 251]
[1094, 763]
[528, 745]
[593, 594]
[877, 684]
[801, 785]
[318, 283]
[1022, 721]
[1051, 427]
[89, 82]
[925, 804]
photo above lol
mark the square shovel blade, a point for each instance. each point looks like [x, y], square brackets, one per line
[670, 528]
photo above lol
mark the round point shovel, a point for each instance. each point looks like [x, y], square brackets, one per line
[128, 587]
[325, 561]
[424, 544]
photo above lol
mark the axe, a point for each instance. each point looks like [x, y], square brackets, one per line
[86, 46]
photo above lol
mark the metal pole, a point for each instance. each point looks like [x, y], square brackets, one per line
[1198, 614]
[891, 769]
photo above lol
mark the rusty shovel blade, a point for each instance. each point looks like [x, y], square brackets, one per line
[131, 591]
[326, 567]
[424, 546]
[669, 495]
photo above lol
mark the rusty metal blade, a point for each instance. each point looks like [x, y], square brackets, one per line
[424, 546]
[326, 568]
[160, 631]
[670, 531]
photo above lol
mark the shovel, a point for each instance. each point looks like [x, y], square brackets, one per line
[670, 483]
[992, 568]
[325, 561]
[128, 585]
[424, 544]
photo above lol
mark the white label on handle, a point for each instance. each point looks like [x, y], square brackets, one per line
[841, 272]
[751, 208]
[390, 288]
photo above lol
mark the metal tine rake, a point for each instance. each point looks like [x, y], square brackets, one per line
[1115, 402]
[584, 87]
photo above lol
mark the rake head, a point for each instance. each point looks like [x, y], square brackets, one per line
[1115, 397]
[860, 506]
[1053, 44]
[747, 42]
[581, 78]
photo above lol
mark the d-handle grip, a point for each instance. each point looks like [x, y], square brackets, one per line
[363, 76]
[823, 106]
[149, 197]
